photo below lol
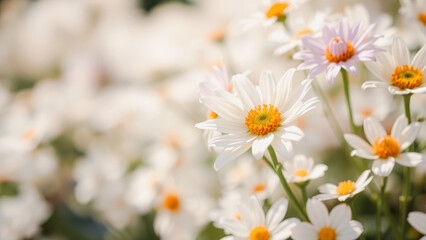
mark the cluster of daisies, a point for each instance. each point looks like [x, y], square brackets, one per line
[99, 98]
[264, 119]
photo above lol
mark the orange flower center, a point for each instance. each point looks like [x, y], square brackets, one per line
[345, 187]
[339, 51]
[422, 18]
[263, 119]
[259, 187]
[407, 77]
[172, 202]
[386, 146]
[276, 10]
[259, 233]
[211, 115]
[327, 233]
[301, 173]
[366, 112]
[302, 32]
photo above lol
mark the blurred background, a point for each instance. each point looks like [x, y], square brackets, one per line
[98, 102]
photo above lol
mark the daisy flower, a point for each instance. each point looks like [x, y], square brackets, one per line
[337, 49]
[302, 168]
[254, 225]
[396, 72]
[273, 11]
[324, 226]
[415, 10]
[344, 189]
[258, 116]
[418, 221]
[386, 148]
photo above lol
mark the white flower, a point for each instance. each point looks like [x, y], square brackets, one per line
[396, 72]
[375, 103]
[345, 189]
[386, 148]
[301, 168]
[415, 12]
[418, 221]
[336, 225]
[258, 116]
[254, 225]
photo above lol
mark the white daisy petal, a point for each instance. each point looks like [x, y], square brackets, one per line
[358, 143]
[235, 227]
[400, 51]
[418, 221]
[410, 159]
[260, 145]
[257, 211]
[408, 135]
[284, 229]
[340, 216]
[373, 130]
[383, 167]
[267, 87]
[227, 156]
[399, 125]
[246, 91]
[276, 213]
[317, 212]
[304, 231]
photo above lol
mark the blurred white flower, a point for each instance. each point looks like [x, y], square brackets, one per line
[418, 221]
[301, 169]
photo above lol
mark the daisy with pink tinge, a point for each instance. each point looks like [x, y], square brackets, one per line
[337, 49]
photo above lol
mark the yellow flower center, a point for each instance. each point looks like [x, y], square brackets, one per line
[345, 187]
[327, 233]
[339, 55]
[259, 187]
[211, 115]
[301, 173]
[302, 32]
[172, 202]
[407, 77]
[367, 112]
[386, 146]
[422, 18]
[218, 34]
[259, 233]
[263, 119]
[238, 216]
[276, 10]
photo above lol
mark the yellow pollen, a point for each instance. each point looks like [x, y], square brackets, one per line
[345, 187]
[259, 233]
[217, 34]
[422, 18]
[301, 173]
[407, 77]
[259, 188]
[238, 216]
[263, 119]
[367, 112]
[230, 87]
[386, 146]
[276, 10]
[343, 57]
[172, 202]
[327, 233]
[302, 32]
[211, 115]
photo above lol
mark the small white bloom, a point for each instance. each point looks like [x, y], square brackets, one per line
[336, 225]
[345, 189]
[396, 72]
[301, 168]
[254, 225]
[418, 221]
[386, 149]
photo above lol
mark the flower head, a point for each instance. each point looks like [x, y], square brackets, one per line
[337, 49]
[386, 148]
[325, 226]
[254, 225]
[301, 168]
[258, 116]
[396, 72]
[344, 189]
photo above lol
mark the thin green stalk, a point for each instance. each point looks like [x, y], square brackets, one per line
[379, 209]
[345, 78]
[278, 170]
[406, 185]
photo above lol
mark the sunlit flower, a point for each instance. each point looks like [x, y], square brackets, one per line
[396, 72]
[418, 221]
[301, 168]
[258, 117]
[415, 11]
[254, 225]
[324, 226]
[337, 49]
[344, 189]
[386, 148]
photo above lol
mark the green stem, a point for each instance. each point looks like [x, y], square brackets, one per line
[379, 209]
[277, 167]
[406, 185]
[345, 78]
